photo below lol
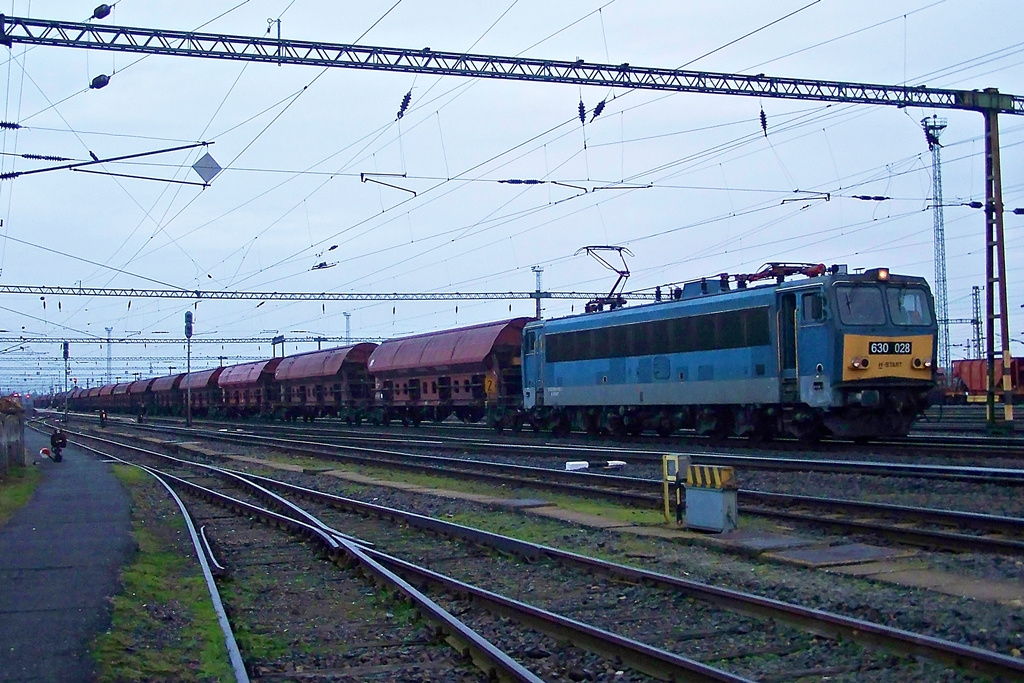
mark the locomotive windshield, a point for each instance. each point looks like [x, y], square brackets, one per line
[908, 306]
[865, 305]
[860, 305]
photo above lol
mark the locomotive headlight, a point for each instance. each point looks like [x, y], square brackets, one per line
[858, 363]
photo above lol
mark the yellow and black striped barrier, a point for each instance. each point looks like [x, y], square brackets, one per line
[710, 477]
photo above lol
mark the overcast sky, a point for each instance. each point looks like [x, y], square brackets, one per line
[699, 189]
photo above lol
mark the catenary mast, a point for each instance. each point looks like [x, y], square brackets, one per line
[933, 127]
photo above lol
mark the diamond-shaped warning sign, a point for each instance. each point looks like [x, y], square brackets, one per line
[207, 168]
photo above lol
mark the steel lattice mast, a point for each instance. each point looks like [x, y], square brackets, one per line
[933, 128]
[979, 336]
[989, 102]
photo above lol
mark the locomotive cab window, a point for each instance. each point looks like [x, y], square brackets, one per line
[530, 342]
[860, 305]
[813, 306]
[908, 306]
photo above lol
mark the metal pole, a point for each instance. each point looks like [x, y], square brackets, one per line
[538, 270]
[67, 373]
[188, 388]
[995, 275]
[109, 330]
[188, 369]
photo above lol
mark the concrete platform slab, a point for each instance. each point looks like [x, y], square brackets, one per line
[201, 450]
[265, 463]
[877, 569]
[757, 542]
[522, 503]
[916, 576]
[828, 556]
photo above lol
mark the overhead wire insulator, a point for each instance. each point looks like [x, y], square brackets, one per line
[45, 157]
[764, 122]
[597, 110]
[583, 113]
[8, 125]
[100, 81]
[405, 104]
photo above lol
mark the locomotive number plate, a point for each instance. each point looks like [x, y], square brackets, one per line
[898, 348]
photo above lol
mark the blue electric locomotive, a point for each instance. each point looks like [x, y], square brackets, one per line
[835, 353]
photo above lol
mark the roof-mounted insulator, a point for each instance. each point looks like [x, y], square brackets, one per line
[405, 104]
[100, 81]
[101, 12]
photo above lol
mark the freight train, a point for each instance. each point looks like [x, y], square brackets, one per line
[831, 353]
[969, 382]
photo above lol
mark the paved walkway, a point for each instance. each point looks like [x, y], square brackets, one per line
[60, 557]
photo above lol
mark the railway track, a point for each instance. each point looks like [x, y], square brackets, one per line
[955, 446]
[639, 455]
[613, 610]
[914, 525]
